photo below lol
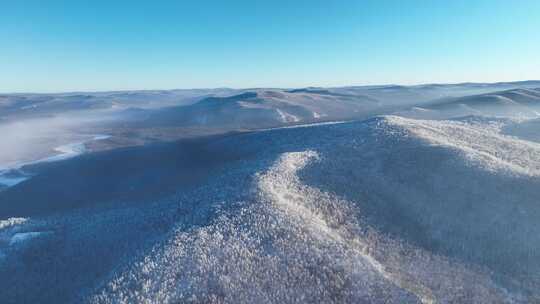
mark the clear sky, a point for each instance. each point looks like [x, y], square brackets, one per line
[48, 46]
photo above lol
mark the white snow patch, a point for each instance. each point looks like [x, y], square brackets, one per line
[21, 237]
[101, 137]
[286, 117]
[8, 179]
[12, 221]
[71, 150]
[11, 176]
[305, 125]
[480, 143]
[66, 152]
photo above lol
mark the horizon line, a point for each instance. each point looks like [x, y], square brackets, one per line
[271, 87]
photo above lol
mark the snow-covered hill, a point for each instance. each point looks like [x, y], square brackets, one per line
[261, 109]
[385, 210]
[515, 103]
[25, 106]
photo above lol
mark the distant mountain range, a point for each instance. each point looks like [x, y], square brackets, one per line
[134, 118]
[304, 103]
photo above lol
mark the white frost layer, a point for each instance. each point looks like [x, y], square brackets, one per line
[21, 237]
[72, 150]
[12, 221]
[287, 117]
[481, 144]
[66, 152]
[304, 125]
[284, 188]
[102, 137]
[292, 230]
[265, 254]
[295, 244]
[9, 179]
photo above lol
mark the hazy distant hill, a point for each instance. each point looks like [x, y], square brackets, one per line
[262, 108]
[33, 125]
[514, 102]
[313, 99]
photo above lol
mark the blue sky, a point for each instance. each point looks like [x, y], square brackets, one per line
[50, 46]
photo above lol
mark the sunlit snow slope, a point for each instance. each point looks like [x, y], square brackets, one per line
[387, 210]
